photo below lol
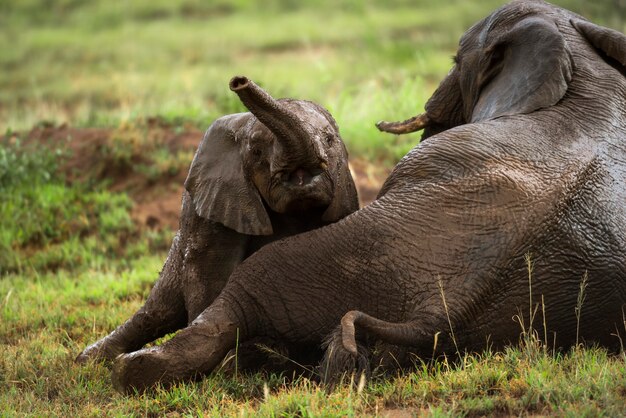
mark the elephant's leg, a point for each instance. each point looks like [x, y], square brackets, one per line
[202, 257]
[163, 312]
[212, 255]
[344, 354]
[211, 252]
[195, 350]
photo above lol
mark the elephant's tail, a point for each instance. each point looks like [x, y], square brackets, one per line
[339, 363]
[345, 353]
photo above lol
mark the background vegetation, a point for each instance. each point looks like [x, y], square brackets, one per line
[73, 264]
[99, 63]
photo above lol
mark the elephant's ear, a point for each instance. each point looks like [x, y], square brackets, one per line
[445, 106]
[217, 184]
[529, 68]
[345, 199]
[609, 41]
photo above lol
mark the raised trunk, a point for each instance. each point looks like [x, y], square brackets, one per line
[277, 117]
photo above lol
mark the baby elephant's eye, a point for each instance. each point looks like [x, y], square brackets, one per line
[330, 138]
[254, 150]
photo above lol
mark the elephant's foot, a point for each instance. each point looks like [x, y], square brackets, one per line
[144, 326]
[194, 351]
[104, 350]
[140, 370]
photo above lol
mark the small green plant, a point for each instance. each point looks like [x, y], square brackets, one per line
[19, 165]
[164, 164]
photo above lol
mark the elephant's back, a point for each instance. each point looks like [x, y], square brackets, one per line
[471, 212]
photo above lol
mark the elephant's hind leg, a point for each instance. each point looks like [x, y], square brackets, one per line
[344, 355]
[194, 351]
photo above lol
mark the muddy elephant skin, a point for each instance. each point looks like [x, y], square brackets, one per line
[525, 153]
[275, 171]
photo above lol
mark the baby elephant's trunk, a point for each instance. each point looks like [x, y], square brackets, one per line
[278, 117]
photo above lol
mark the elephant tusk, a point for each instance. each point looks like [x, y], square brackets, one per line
[410, 125]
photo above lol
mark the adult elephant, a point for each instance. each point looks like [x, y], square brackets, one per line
[275, 171]
[525, 152]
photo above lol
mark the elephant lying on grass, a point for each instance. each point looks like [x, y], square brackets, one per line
[524, 152]
[275, 171]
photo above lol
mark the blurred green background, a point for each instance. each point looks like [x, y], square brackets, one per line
[100, 62]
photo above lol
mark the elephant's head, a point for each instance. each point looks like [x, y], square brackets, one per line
[283, 156]
[515, 61]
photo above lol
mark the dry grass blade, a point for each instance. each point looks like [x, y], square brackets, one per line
[445, 306]
[579, 303]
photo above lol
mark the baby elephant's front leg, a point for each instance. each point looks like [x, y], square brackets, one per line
[194, 351]
[163, 312]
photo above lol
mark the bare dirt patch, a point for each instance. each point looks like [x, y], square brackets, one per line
[150, 162]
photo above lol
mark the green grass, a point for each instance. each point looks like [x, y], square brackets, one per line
[73, 265]
[47, 319]
[49, 312]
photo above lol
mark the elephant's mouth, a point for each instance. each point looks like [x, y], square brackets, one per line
[301, 189]
[301, 176]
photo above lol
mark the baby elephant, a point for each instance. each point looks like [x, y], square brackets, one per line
[259, 176]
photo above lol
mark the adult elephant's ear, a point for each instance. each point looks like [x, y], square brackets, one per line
[528, 68]
[217, 183]
[609, 41]
[445, 107]
[345, 199]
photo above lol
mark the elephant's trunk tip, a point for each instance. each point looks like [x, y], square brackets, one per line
[413, 124]
[238, 82]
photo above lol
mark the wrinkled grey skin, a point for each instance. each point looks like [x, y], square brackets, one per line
[525, 153]
[278, 170]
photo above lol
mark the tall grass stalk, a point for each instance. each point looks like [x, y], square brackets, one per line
[579, 302]
[530, 339]
[445, 306]
[237, 354]
[545, 325]
[531, 313]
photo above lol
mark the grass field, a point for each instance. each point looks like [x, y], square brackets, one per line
[74, 263]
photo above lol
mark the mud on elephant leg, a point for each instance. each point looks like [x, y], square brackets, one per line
[201, 258]
[163, 312]
[194, 351]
